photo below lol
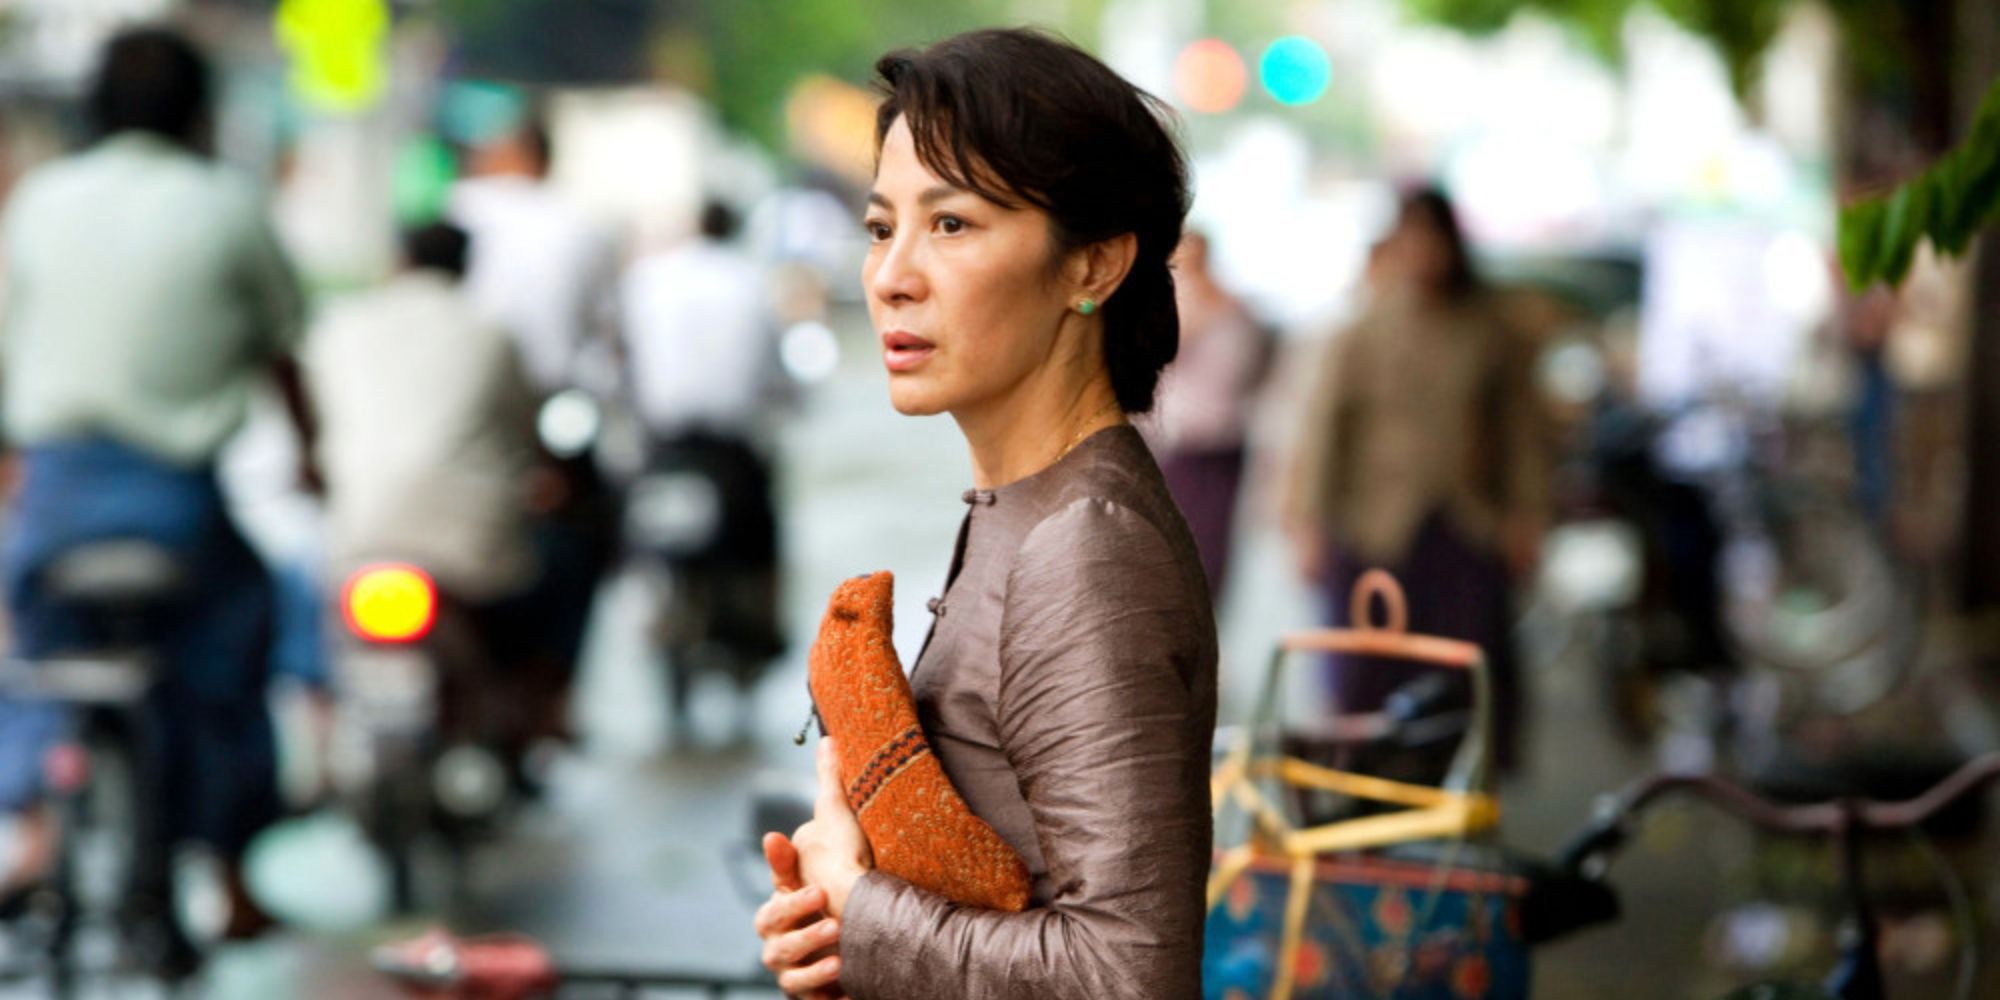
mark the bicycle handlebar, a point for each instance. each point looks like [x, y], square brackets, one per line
[1616, 818]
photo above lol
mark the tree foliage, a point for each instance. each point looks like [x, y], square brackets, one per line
[744, 56]
[1740, 29]
[1878, 35]
[1885, 43]
[757, 50]
[760, 49]
[1948, 204]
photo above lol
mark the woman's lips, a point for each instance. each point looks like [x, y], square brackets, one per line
[902, 352]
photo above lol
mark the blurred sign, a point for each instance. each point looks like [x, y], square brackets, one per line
[337, 50]
[1295, 70]
[631, 156]
[1209, 76]
[1721, 313]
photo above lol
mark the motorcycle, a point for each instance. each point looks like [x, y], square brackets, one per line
[1636, 564]
[112, 871]
[701, 518]
[427, 747]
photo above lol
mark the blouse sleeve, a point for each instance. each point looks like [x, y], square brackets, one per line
[1106, 712]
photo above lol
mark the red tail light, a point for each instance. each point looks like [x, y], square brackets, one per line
[390, 602]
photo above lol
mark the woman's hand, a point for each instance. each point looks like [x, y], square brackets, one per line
[832, 850]
[801, 943]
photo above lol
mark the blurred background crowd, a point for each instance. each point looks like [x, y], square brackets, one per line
[431, 439]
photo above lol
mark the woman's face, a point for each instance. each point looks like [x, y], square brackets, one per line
[964, 293]
[1415, 254]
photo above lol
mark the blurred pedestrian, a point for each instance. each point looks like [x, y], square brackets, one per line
[147, 297]
[427, 428]
[546, 272]
[703, 365]
[432, 459]
[1201, 422]
[1865, 321]
[1419, 452]
[700, 335]
[541, 267]
[1025, 206]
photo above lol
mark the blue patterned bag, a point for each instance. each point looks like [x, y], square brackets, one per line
[1373, 928]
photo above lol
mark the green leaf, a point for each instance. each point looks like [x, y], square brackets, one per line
[1896, 232]
[1953, 229]
[1908, 227]
[1860, 230]
[1948, 204]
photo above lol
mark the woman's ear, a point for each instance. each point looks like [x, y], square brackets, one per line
[1096, 271]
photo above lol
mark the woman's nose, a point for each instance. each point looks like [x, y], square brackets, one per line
[898, 273]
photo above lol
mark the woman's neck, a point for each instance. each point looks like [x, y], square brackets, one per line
[1018, 437]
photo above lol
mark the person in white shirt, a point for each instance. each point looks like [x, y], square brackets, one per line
[427, 428]
[699, 338]
[148, 299]
[701, 346]
[540, 267]
[431, 458]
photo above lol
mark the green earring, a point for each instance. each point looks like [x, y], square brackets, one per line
[1087, 306]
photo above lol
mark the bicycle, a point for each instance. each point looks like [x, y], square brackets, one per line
[111, 864]
[1858, 974]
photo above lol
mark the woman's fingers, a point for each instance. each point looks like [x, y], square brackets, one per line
[800, 948]
[818, 976]
[784, 910]
[832, 794]
[783, 858]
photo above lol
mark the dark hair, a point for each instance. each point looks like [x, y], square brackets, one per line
[150, 80]
[718, 221]
[1022, 116]
[439, 246]
[534, 134]
[1430, 207]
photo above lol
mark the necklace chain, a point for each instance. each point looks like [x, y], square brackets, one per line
[1077, 439]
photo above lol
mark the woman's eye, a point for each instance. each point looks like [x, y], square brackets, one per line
[877, 231]
[950, 225]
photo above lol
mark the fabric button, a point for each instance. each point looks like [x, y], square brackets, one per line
[982, 497]
[936, 606]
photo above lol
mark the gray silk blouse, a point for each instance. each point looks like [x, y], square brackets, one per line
[1068, 689]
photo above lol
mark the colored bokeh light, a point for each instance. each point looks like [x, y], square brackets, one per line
[1209, 76]
[391, 603]
[1295, 70]
[337, 49]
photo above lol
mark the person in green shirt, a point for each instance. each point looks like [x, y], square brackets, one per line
[146, 299]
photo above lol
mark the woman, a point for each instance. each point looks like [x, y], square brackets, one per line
[1201, 427]
[1026, 201]
[1420, 452]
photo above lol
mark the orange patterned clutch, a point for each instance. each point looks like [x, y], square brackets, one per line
[919, 828]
